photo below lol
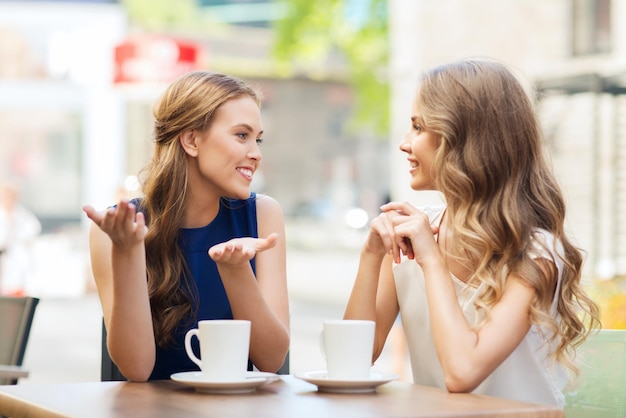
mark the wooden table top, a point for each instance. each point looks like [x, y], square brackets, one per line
[288, 397]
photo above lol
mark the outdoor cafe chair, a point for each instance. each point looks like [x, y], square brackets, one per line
[16, 318]
[110, 372]
[599, 391]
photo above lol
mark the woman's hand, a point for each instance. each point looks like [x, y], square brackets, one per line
[123, 224]
[240, 250]
[118, 262]
[407, 231]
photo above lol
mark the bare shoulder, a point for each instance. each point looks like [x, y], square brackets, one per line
[270, 216]
[268, 206]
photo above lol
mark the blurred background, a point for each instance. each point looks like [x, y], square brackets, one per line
[78, 79]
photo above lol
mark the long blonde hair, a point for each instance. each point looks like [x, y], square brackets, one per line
[500, 189]
[189, 103]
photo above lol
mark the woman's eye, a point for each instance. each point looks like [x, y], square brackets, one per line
[242, 135]
[259, 141]
[417, 128]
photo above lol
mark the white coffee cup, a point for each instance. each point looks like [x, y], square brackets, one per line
[347, 346]
[224, 348]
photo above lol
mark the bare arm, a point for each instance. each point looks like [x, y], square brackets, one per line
[264, 299]
[467, 354]
[119, 267]
[373, 294]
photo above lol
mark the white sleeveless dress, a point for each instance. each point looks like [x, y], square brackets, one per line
[528, 374]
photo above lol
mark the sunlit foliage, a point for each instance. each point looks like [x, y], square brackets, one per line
[309, 33]
[159, 14]
[357, 29]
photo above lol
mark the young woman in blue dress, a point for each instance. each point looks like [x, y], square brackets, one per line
[198, 244]
[487, 284]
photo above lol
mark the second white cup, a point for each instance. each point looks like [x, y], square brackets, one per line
[224, 348]
[347, 346]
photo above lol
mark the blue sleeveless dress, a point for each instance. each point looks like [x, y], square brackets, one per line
[236, 218]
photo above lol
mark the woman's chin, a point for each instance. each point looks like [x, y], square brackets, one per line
[238, 194]
[420, 186]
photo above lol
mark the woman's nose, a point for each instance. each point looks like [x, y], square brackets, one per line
[255, 152]
[405, 144]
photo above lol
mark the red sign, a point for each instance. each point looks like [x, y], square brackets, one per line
[154, 59]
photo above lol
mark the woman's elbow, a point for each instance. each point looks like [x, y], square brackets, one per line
[137, 371]
[274, 361]
[139, 378]
[459, 386]
[462, 380]
[272, 365]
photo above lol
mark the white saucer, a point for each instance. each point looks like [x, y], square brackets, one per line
[247, 385]
[324, 384]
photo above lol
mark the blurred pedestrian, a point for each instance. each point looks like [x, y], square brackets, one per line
[488, 285]
[210, 248]
[19, 227]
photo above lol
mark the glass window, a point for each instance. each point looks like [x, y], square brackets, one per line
[40, 151]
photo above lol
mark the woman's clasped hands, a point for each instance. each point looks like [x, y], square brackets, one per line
[402, 229]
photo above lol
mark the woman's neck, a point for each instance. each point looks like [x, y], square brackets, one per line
[200, 212]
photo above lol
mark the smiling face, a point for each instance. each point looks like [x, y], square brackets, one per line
[420, 145]
[227, 154]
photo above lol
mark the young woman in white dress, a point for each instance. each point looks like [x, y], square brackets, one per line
[488, 285]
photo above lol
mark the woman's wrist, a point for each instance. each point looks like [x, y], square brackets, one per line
[432, 265]
[371, 256]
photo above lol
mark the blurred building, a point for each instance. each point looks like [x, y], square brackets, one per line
[60, 122]
[77, 84]
[573, 52]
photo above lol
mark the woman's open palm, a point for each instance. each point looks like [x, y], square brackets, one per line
[123, 224]
[239, 250]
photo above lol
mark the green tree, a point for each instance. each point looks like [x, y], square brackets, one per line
[312, 30]
[160, 14]
[309, 32]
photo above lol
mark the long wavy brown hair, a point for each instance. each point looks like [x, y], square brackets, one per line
[492, 169]
[189, 103]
